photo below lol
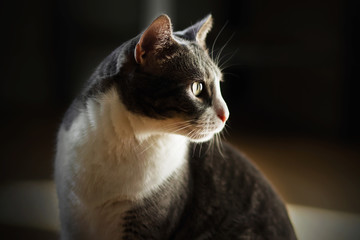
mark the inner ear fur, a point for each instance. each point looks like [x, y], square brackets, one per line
[205, 27]
[156, 37]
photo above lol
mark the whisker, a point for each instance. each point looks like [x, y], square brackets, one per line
[231, 54]
[227, 60]
[212, 47]
[223, 47]
[191, 134]
[194, 150]
[200, 149]
[141, 144]
[147, 148]
[213, 145]
[181, 128]
[225, 130]
[176, 126]
[146, 144]
[219, 145]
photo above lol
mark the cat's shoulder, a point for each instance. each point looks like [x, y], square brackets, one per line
[71, 113]
[235, 197]
[223, 156]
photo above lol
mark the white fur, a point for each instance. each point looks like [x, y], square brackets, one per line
[109, 159]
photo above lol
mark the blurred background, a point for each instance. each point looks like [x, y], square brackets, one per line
[291, 84]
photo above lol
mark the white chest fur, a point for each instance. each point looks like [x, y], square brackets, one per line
[112, 156]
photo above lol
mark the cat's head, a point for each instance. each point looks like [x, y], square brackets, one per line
[175, 82]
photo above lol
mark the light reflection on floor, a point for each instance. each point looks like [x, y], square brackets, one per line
[320, 224]
[29, 204]
[33, 204]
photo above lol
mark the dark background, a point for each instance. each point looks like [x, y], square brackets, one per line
[292, 82]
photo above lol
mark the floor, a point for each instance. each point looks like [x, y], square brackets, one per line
[318, 178]
[308, 171]
[29, 209]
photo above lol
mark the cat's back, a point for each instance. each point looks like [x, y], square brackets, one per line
[231, 199]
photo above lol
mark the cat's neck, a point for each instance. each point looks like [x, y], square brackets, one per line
[126, 158]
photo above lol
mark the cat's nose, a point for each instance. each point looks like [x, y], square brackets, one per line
[223, 114]
[222, 117]
[221, 110]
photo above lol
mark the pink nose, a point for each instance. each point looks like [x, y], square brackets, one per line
[223, 115]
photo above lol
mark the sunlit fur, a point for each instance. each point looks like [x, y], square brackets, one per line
[130, 160]
[111, 157]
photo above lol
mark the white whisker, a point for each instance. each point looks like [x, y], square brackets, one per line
[227, 60]
[222, 48]
[212, 47]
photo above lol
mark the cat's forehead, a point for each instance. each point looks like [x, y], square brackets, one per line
[194, 60]
[206, 64]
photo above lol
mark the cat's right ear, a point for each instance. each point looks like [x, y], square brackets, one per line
[156, 37]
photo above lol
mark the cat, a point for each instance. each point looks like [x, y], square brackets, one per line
[129, 164]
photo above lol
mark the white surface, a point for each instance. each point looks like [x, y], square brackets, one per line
[34, 204]
[318, 224]
[31, 204]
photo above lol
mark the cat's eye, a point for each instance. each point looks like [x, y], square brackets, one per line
[196, 88]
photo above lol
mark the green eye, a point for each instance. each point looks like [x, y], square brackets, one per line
[196, 88]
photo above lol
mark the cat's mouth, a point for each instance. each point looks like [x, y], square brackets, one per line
[203, 132]
[203, 136]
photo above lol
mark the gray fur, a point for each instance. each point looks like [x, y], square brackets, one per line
[215, 196]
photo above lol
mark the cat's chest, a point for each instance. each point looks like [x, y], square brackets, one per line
[115, 170]
[119, 183]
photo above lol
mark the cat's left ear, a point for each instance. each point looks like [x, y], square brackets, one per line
[157, 37]
[199, 30]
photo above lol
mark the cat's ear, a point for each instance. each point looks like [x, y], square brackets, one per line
[156, 37]
[199, 30]
[204, 29]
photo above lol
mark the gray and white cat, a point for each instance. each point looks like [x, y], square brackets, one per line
[127, 165]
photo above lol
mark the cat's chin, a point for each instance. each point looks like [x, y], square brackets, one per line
[202, 138]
